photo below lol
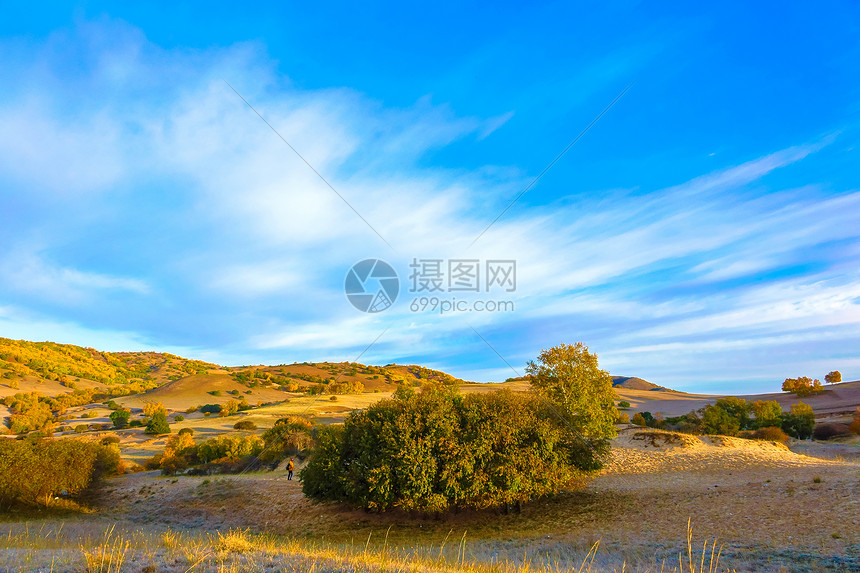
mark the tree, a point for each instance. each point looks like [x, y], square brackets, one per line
[639, 419]
[569, 377]
[436, 450]
[229, 408]
[157, 424]
[799, 422]
[120, 418]
[150, 409]
[855, 425]
[834, 377]
[802, 386]
[767, 413]
[738, 408]
[716, 420]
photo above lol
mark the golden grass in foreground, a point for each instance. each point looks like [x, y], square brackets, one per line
[238, 550]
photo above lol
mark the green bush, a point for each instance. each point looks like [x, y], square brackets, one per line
[245, 425]
[120, 418]
[157, 424]
[81, 428]
[179, 418]
[623, 404]
[229, 448]
[186, 431]
[437, 450]
[799, 422]
[716, 420]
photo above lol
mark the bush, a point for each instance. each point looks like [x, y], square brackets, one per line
[108, 440]
[768, 434]
[225, 448]
[210, 408]
[290, 436]
[245, 425]
[799, 422]
[830, 430]
[120, 418]
[716, 420]
[135, 424]
[623, 404]
[834, 377]
[855, 425]
[158, 425]
[437, 450]
[178, 418]
[639, 419]
[51, 467]
[81, 428]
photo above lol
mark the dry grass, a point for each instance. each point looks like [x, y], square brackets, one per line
[239, 550]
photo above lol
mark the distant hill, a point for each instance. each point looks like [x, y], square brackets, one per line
[634, 383]
[50, 369]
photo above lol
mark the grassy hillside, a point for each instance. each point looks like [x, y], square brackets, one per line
[50, 368]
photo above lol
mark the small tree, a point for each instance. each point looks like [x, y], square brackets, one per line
[158, 424]
[229, 408]
[120, 418]
[150, 409]
[716, 420]
[834, 377]
[799, 422]
[569, 376]
[767, 413]
[639, 419]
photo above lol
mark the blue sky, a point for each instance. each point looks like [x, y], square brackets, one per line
[703, 234]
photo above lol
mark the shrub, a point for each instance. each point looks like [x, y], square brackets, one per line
[333, 398]
[135, 424]
[437, 450]
[623, 404]
[178, 418]
[830, 430]
[639, 419]
[799, 422]
[855, 425]
[215, 392]
[81, 428]
[767, 413]
[158, 425]
[108, 440]
[834, 377]
[768, 434]
[716, 420]
[51, 467]
[290, 436]
[210, 408]
[229, 447]
[186, 431]
[90, 414]
[191, 410]
[120, 418]
[229, 408]
[245, 425]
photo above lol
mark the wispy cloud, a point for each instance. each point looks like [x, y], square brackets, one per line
[166, 197]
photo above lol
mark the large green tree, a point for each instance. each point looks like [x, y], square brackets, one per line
[434, 450]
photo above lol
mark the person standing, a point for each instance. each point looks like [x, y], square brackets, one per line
[290, 468]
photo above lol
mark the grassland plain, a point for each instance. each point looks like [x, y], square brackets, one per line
[758, 505]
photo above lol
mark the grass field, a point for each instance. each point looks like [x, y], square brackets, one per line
[767, 507]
